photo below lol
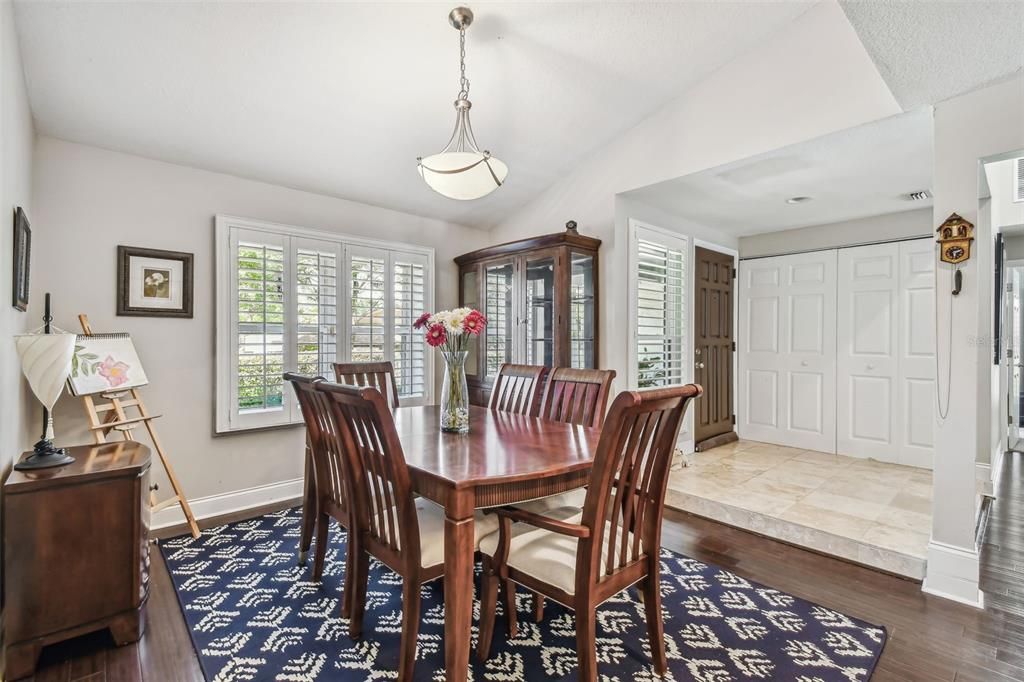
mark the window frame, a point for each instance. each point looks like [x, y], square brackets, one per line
[227, 229]
[639, 230]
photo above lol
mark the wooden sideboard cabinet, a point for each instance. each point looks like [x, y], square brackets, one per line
[540, 296]
[76, 551]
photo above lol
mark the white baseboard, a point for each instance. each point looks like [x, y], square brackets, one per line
[953, 573]
[229, 503]
[983, 478]
[996, 469]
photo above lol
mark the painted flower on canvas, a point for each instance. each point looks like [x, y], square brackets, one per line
[114, 371]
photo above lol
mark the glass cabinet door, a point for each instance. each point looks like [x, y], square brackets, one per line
[582, 299]
[498, 296]
[540, 310]
[471, 299]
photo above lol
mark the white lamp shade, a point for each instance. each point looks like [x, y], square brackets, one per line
[46, 363]
[463, 175]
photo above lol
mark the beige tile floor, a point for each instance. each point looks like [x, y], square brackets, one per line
[786, 492]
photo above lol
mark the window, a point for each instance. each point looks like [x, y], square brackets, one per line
[294, 299]
[658, 307]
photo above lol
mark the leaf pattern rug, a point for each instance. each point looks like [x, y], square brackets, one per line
[254, 614]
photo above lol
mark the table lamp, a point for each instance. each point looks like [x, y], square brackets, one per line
[46, 362]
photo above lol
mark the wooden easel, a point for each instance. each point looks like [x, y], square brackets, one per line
[115, 418]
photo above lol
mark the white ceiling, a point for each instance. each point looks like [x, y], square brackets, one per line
[854, 173]
[340, 98]
[928, 52]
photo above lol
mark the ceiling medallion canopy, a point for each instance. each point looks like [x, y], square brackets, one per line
[462, 170]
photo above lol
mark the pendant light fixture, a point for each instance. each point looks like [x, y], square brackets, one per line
[462, 170]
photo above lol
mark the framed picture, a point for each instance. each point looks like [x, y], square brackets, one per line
[22, 260]
[154, 283]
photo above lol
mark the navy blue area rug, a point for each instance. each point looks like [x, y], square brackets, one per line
[255, 615]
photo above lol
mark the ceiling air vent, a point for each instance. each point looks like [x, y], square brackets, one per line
[918, 196]
[1018, 179]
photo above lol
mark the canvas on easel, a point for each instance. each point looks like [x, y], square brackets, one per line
[105, 362]
[106, 374]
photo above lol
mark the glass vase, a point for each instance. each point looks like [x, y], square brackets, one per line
[454, 393]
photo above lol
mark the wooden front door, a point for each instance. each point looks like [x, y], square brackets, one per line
[713, 346]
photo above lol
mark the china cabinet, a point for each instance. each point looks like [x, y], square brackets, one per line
[540, 296]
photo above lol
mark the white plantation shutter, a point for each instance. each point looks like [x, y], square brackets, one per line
[368, 295]
[658, 284]
[258, 310]
[316, 307]
[409, 276]
[290, 299]
[1018, 180]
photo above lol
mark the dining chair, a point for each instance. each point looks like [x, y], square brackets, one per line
[613, 543]
[329, 475]
[517, 389]
[577, 396]
[380, 375]
[403, 533]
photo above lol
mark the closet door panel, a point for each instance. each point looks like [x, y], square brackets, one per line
[761, 320]
[867, 358]
[787, 342]
[917, 352]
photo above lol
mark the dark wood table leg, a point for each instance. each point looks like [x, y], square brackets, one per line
[458, 600]
[308, 509]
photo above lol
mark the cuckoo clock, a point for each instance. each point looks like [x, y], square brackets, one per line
[955, 237]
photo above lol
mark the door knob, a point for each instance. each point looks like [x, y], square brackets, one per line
[870, 367]
[700, 365]
[803, 363]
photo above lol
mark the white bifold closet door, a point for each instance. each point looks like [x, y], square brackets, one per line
[787, 350]
[886, 352]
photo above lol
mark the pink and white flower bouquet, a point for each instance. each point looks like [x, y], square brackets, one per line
[451, 332]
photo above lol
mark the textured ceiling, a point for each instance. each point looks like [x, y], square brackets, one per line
[854, 173]
[340, 98]
[930, 51]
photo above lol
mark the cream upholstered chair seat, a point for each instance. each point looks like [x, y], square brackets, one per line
[431, 518]
[548, 556]
[544, 505]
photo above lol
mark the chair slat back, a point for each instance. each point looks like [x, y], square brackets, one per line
[626, 497]
[382, 498]
[577, 396]
[329, 465]
[379, 375]
[517, 389]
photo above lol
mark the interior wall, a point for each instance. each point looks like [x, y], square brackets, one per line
[16, 140]
[1013, 246]
[768, 98]
[888, 227]
[89, 201]
[1005, 211]
[968, 128]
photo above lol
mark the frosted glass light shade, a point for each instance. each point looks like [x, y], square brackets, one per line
[462, 175]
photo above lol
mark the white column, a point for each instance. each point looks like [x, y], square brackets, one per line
[967, 128]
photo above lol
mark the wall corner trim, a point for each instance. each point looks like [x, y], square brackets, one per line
[952, 573]
[229, 503]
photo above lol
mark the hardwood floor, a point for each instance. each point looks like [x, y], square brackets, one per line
[929, 638]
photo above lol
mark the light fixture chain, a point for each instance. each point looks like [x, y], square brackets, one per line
[463, 81]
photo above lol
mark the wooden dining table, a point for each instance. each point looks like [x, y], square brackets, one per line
[505, 458]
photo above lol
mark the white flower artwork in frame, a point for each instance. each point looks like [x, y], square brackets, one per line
[153, 282]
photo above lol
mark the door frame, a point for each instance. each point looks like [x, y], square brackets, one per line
[691, 300]
[1011, 267]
